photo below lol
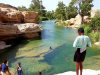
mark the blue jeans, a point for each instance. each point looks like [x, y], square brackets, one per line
[19, 72]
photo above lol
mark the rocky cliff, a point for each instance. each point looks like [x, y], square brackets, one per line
[15, 23]
[76, 22]
[10, 14]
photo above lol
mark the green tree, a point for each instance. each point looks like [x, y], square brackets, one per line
[60, 11]
[71, 12]
[83, 7]
[36, 6]
[49, 15]
[22, 8]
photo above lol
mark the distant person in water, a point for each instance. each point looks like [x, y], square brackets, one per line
[50, 47]
[4, 68]
[81, 42]
[19, 69]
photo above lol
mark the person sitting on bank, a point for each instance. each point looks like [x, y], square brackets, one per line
[4, 68]
[81, 42]
[19, 69]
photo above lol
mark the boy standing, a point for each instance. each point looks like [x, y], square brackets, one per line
[81, 42]
[19, 69]
[4, 68]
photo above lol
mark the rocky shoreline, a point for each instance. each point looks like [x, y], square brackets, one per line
[73, 23]
[85, 72]
[15, 24]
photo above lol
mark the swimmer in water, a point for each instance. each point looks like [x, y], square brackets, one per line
[50, 47]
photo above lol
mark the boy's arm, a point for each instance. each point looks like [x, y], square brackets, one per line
[9, 71]
[75, 42]
[89, 43]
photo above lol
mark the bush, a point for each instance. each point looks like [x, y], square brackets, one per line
[87, 29]
[95, 37]
[42, 19]
[95, 23]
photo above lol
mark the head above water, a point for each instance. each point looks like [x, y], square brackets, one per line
[81, 31]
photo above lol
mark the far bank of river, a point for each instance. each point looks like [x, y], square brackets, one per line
[36, 55]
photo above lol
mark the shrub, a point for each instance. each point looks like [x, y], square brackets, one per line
[87, 29]
[95, 37]
[95, 23]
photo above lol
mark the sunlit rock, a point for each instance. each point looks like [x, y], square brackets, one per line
[30, 16]
[3, 45]
[97, 43]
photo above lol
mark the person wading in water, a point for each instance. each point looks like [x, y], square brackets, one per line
[81, 42]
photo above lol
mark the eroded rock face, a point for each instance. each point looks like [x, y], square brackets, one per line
[30, 17]
[7, 30]
[15, 24]
[16, 30]
[10, 14]
[11, 17]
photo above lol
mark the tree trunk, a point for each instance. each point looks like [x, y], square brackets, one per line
[82, 19]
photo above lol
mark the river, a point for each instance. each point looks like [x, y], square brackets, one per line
[36, 56]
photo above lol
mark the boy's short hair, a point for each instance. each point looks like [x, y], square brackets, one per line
[19, 63]
[5, 61]
[81, 30]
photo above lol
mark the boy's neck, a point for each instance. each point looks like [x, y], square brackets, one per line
[81, 34]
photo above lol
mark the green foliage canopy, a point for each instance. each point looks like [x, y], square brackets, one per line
[60, 11]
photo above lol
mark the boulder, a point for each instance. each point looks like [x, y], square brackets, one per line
[30, 30]
[17, 30]
[3, 45]
[78, 20]
[87, 19]
[72, 21]
[30, 16]
[97, 43]
[10, 16]
[28, 27]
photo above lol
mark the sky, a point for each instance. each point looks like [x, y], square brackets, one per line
[49, 4]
